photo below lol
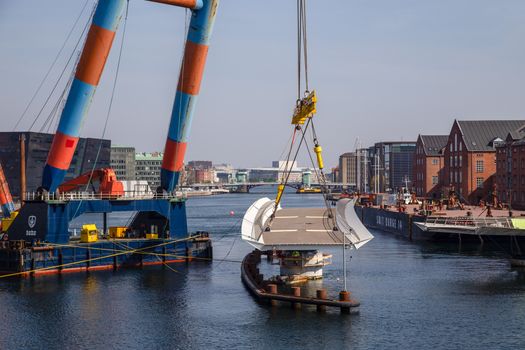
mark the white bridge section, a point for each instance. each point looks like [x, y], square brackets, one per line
[302, 228]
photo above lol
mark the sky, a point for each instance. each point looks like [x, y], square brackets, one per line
[384, 70]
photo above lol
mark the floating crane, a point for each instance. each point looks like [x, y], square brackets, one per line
[43, 222]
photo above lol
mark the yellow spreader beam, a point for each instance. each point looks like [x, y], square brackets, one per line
[305, 109]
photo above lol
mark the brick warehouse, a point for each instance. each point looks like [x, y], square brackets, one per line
[510, 170]
[429, 164]
[470, 156]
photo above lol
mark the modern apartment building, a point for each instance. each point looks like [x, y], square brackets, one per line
[348, 168]
[391, 165]
[122, 161]
[147, 167]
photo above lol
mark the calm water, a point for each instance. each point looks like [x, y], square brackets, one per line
[413, 296]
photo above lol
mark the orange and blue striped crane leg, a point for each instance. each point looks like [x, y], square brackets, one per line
[195, 53]
[6, 201]
[89, 69]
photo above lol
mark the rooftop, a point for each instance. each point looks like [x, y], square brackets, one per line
[479, 135]
[149, 156]
[433, 144]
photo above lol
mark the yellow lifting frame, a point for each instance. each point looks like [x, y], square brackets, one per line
[306, 108]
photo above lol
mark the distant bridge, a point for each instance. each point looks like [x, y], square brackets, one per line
[244, 187]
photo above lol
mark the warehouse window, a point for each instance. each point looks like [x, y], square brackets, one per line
[479, 166]
[479, 182]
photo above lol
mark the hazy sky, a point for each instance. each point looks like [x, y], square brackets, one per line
[383, 70]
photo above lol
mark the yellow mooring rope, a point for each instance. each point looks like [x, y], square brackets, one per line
[97, 258]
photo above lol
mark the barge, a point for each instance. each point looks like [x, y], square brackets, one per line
[38, 240]
[464, 226]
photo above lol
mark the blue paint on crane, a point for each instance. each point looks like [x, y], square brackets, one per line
[169, 179]
[77, 105]
[108, 14]
[53, 177]
[182, 116]
[201, 24]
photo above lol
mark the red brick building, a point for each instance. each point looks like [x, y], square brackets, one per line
[510, 169]
[470, 156]
[428, 165]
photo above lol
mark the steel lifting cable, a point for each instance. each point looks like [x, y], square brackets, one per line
[114, 88]
[322, 182]
[109, 107]
[52, 66]
[86, 26]
[302, 50]
[302, 19]
[54, 112]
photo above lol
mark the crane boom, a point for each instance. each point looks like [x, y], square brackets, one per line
[88, 71]
[108, 186]
[192, 69]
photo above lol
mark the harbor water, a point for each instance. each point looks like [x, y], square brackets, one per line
[413, 296]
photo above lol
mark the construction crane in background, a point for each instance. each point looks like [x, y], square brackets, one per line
[97, 47]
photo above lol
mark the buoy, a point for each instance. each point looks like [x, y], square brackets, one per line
[232, 213]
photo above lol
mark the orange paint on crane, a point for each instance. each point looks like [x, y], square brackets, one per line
[193, 68]
[5, 194]
[182, 3]
[94, 55]
[174, 155]
[62, 150]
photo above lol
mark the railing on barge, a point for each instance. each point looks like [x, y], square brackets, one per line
[84, 195]
[503, 222]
